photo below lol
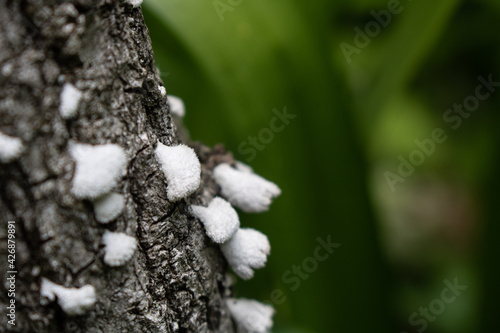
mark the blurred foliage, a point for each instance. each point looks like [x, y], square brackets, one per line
[353, 120]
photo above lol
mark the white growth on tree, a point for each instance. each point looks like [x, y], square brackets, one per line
[70, 99]
[245, 190]
[135, 3]
[250, 315]
[220, 219]
[10, 148]
[73, 301]
[98, 168]
[243, 167]
[246, 250]
[176, 106]
[119, 248]
[108, 207]
[181, 168]
[163, 91]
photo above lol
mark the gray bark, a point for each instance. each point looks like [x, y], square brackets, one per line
[176, 281]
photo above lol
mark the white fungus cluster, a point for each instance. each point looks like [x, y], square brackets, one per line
[176, 106]
[135, 3]
[220, 219]
[70, 99]
[250, 315]
[163, 91]
[108, 206]
[98, 168]
[10, 148]
[181, 168]
[245, 189]
[243, 167]
[73, 301]
[118, 248]
[246, 250]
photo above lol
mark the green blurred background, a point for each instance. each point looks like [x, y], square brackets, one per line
[234, 61]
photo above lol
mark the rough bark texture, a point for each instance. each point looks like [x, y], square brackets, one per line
[176, 281]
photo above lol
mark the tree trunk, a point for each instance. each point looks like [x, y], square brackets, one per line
[176, 280]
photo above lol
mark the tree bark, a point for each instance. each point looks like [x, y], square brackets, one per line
[176, 281]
